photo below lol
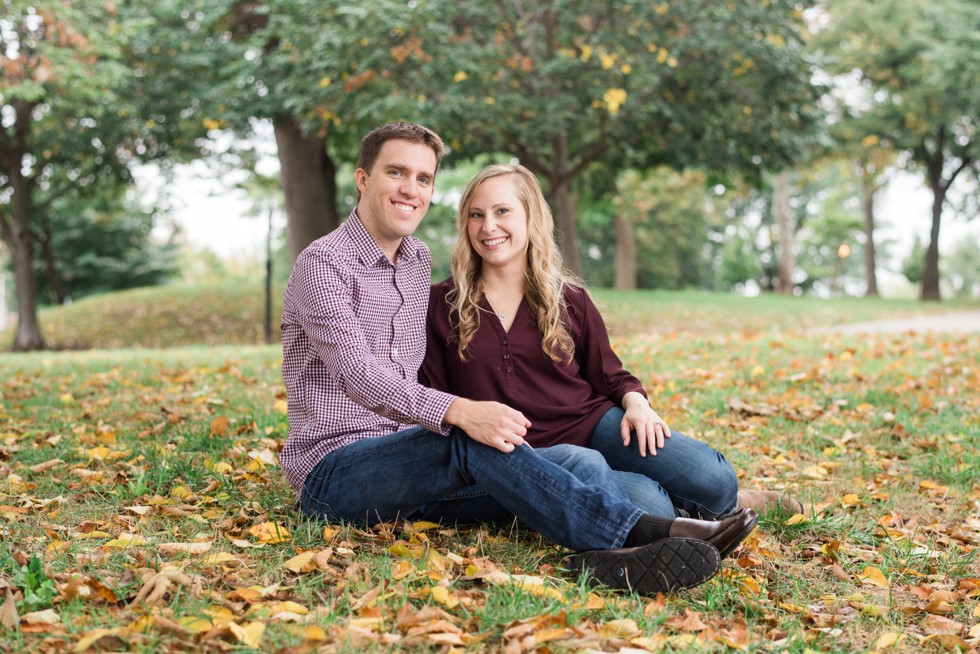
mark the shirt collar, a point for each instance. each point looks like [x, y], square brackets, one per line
[368, 250]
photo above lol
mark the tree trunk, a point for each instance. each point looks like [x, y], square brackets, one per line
[930, 275]
[868, 202]
[625, 254]
[51, 273]
[267, 322]
[309, 184]
[563, 206]
[787, 259]
[17, 236]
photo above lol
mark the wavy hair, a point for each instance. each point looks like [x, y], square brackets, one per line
[545, 279]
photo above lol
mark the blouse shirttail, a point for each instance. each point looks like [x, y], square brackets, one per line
[564, 401]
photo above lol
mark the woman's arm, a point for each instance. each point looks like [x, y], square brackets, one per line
[603, 369]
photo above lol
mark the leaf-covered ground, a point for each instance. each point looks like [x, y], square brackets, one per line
[142, 510]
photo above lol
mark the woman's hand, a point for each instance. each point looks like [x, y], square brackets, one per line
[650, 428]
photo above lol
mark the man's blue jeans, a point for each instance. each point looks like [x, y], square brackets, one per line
[685, 477]
[686, 474]
[566, 493]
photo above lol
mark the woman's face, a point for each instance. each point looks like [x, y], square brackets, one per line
[497, 224]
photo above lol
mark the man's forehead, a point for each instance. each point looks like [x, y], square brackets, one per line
[400, 153]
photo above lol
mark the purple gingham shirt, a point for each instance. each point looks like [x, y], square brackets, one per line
[353, 338]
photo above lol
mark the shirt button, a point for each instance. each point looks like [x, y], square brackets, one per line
[509, 369]
[505, 342]
[506, 356]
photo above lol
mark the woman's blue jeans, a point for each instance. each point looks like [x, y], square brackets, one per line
[566, 493]
[685, 475]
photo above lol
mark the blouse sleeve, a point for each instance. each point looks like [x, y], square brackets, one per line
[599, 364]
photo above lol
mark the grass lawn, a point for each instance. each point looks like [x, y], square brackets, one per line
[142, 508]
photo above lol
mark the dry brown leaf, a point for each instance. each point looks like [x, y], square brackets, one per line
[889, 639]
[8, 612]
[47, 465]
[219, 426]
[185, 548]
[937, 624]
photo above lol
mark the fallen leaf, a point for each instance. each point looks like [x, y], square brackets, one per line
[184, 548]
[219, 426]
[249, 634]
[873, 577]
[8, 612]
[269, 532]
[889, 639]
[302, 563]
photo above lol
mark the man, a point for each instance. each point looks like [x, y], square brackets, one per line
[353, 333]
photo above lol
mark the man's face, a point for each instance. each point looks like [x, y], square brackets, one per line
[395, 193]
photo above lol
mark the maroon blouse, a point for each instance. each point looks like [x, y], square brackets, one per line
[564, 402]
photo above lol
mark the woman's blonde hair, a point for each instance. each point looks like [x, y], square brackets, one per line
[545, 279]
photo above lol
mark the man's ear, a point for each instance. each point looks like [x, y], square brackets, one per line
[360, 179]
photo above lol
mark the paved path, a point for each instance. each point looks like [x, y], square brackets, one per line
[959, 321]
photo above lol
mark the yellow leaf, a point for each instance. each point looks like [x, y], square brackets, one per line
[815, 472]
[873, 577]
[308, 632]
[281, 406]
[184, 548]
[324, 83]
[219, 557]
[460, 76]
[850, 499]
[250, 634]
[874, 610]
[795, 519]
[195, 624]
[614, 99]
[220, 467]
[756, 371]
[269, 532]
[124, 541]
[889, 639]
[181, 492]
[289, 607]
[622, 628]
[425, 526]
[67, 398]
[442, 595]
[98, 453]
[302, 563]
[92, 637]
[401, 570]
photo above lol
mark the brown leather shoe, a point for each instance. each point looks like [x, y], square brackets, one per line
[764, 502]
[724, 534]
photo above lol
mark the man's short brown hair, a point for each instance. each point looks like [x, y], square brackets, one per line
[373, 141]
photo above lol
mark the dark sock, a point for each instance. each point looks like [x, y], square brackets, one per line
[647, 530]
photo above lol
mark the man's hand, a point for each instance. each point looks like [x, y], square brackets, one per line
[490, 423]
[650, 428]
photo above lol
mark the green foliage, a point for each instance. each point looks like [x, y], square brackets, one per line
[915, 263]
[37, 587]
[962, 268]
[98, 245]
[668, 212]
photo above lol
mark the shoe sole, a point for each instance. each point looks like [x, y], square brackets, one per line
[660, 567]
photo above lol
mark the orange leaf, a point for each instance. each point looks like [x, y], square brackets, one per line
[219, 426]
[269, 532]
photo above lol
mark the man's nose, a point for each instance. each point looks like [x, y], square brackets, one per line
[410, 186]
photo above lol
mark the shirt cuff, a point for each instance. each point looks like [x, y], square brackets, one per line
[434, 411]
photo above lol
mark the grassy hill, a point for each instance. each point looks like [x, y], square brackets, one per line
[231, 313]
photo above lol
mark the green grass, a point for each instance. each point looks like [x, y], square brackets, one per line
[881, 434]
[232, 312]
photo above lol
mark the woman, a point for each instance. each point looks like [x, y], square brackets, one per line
[512, 326]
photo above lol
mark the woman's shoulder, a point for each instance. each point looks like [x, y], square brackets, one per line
[577, 298]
